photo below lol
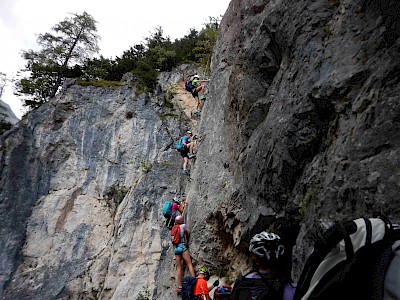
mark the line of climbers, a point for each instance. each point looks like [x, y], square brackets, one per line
[358, 259]
[269, 256]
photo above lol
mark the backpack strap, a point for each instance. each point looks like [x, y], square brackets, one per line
[368, 230]
[323, 246]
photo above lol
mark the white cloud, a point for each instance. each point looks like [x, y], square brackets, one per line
[121, 24]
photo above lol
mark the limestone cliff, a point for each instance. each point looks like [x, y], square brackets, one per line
[83, 178]
[6, 114]
[300, 128]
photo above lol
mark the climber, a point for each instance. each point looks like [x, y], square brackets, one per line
[185, 148]
[271, 277]
[179, 239]
[170, 211]
[201, 290]
[196, 88]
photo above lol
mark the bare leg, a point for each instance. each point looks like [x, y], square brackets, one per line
[185, 163]
[188, 261]
[202, 89]
[179, 268]
[197, 102]
[190, 146]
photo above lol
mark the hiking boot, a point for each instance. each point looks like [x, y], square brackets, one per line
[191, 155]
[203, 97]
[185, 172]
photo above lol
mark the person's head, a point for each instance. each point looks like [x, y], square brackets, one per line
[268, 249]
[197, 77]
[203, 272]
[189, 133]
[178, 220]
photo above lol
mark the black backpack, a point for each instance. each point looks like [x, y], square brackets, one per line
[189, 86]
[257, 289]
[357, 259]
[188, 284]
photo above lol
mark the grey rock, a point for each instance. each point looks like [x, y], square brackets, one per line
[6, 114]
[300, 129]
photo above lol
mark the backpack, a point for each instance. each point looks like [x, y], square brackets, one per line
[176, 234]
[167, 209]
[257, 289]
[188, 284]
[223, 292]
[179, 145]
[358, 259]
[189, 86]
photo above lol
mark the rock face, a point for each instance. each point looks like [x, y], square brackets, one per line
[6, 114]
[300, 128]
[83, 178]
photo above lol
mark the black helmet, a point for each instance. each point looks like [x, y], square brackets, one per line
[267, 245]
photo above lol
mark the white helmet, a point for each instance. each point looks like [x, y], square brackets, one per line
[196, 76]
[267, 245]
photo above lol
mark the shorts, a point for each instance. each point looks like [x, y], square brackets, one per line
[184, 151]
[180, 249]
[195, 93]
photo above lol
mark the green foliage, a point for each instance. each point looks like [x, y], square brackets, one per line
[166, 164]
[310, 198]
[168, 115]
[4, 126]
[73, 40]
[146, 166]
[171, 92]
[99, 83]
[116, 193]
[207, 40]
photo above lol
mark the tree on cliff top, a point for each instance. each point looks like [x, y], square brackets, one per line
[74, 40]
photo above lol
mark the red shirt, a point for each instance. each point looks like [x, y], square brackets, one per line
[201, 287]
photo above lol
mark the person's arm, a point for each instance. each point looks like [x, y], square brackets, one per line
[211, 286]
[181, 208]
[204, 289]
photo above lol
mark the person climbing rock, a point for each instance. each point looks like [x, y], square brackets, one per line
[185, 148]
[179, 239]
[170, 211]
[271, 277]
[201, 290]
[195, 87]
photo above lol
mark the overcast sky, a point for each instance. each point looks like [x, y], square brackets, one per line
[121, 24]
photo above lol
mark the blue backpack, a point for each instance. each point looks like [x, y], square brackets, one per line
[179, 145]
[189, 86]
[188, 284]
[167, 209]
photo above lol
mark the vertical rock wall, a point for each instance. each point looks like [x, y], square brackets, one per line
[83, 178]
[302, 126]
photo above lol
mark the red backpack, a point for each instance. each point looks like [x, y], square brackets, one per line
[176, 234]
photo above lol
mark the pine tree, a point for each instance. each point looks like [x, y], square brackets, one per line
[73, 41]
